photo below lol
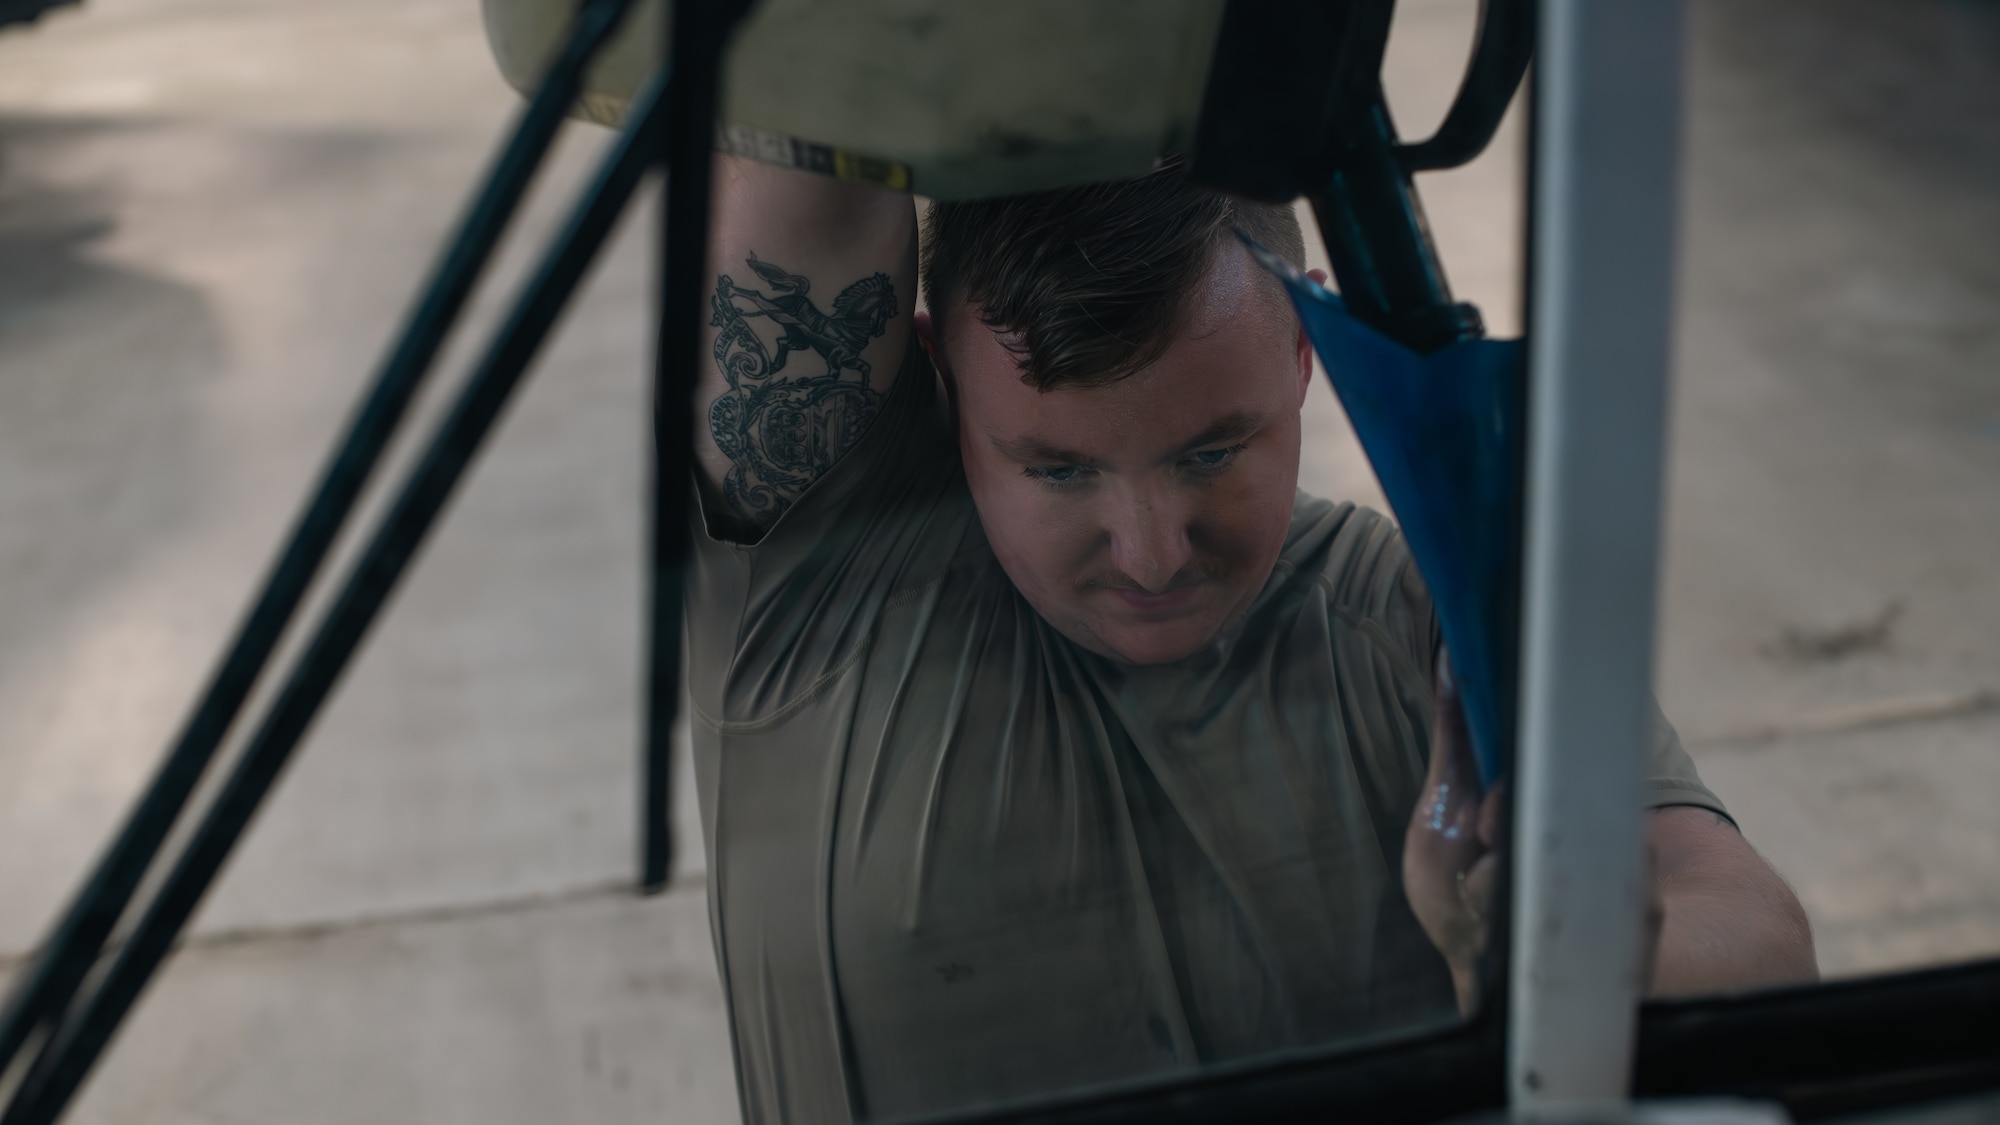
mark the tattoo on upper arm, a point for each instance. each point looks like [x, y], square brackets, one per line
[781, 432]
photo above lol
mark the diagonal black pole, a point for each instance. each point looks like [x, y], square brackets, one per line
[695, 45]
[70, 1053]
[46, 988]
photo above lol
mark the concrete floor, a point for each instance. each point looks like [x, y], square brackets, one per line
[1830, 613]
[212, 213]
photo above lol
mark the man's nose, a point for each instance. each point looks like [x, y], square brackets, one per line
[1149, 540]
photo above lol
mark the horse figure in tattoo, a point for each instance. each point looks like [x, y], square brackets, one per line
[780, 434]
[860, 313]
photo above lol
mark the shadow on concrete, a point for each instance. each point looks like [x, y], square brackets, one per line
[1915, 80]
[101, 459]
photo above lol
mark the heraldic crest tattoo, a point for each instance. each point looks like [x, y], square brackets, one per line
[780, 432]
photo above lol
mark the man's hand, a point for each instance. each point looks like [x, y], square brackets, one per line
[1450, 862]
[1718, 918]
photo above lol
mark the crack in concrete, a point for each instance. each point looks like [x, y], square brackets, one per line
[430, 915]
[1900, 711]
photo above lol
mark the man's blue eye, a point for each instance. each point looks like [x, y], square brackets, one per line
[1060, 474]
[1214, 458]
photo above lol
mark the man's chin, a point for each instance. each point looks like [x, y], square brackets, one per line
[1153, 642]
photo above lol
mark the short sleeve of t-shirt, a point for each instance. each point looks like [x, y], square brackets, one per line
[780, 616]
[1371, 579]
[1670, 774]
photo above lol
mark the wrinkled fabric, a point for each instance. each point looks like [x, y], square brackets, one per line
[956, 860]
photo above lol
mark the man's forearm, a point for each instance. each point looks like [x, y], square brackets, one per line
[1730, 922]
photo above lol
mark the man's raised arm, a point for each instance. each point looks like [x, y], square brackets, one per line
[813, 285]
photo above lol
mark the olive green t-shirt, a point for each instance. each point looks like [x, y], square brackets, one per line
[955, 859]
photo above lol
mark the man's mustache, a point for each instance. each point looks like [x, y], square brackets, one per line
[1119, 580]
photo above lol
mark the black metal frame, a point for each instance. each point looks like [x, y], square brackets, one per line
[28, 11]
[1827, 1049]
[1821, 1051]
[1405, 1081]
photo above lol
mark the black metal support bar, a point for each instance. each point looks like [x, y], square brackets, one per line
[49, 984]
[699, 33]
[1377, 238]
[1379, 244]
[1499, 59]
[1294, 106]
[78, 1042]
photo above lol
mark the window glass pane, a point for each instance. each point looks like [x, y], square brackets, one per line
[1830, 617]
[959, 849]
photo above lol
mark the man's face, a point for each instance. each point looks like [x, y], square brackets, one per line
[1142, 516]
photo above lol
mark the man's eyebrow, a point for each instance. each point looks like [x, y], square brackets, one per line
[1035, 451]
[1229, 427]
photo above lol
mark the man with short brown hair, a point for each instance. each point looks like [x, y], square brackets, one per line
[1045, 734]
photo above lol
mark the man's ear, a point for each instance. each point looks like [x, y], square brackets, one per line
[927, 336]
[1305, 348]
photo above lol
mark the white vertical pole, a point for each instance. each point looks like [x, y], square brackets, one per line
[1607, 118]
